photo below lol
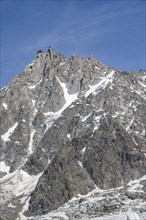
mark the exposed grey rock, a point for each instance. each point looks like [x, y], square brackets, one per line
[78, 122]
[63, 179]
[111, 153]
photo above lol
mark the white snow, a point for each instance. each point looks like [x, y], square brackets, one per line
[69, 136]
[68, 98]
[132, 182]
[5, 87]
[80, 163]
[31, 64]
[144, 85]
[103, 83]
[116, 114]
[140, 94]
[19, 182]
[33, 102]
[48, 113]
[84, 149]
[71, 106]
[135, 141]
[23, 120]
[49, 121]
[10, 131]
[52, 116]
[31, 141]
[25, 208]
[5, 105]
[55, 216]
[96, 67]
[131, 103]
[86, 117]
[143, 133]
[32, 87]
[144, 77]
[62, 63]
[96, 121]
[131, 122]
[11, 206]
[131, 215]
[35, 112]
[97, 196]
[4, 167]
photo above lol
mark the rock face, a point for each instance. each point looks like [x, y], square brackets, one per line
[68, 126]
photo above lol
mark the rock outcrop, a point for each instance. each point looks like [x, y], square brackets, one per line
[68, 126]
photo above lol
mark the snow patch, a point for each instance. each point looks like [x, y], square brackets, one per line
[116, 114]
[96, 121]
[69, 136]
[144, 85]
[72, 106]
[61, 63]
[131, 122]
[135, 141]
[140, 94]
[48, 113]
[11, 206]
[32, 87]
[5, 87]
[57, 216]
[30, 65]
[96, 67]
[10, 131]
[101, 85]
[31, 141]
[85, 118]
[5, 106]
[84, 149]
[68, 98]
[131, 215]
[25, 208]
[80, 163]
[33, 102]
[52, 116]
[35, 112]
[95, 197]
[4, 167]
[19, 182]
[143, 133]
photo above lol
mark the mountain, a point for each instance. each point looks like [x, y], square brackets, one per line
[73, 141]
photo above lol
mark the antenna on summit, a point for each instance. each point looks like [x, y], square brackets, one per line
[51, 52]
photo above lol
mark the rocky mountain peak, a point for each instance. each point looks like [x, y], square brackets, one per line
[69, 126]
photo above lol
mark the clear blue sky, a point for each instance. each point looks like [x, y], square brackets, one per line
[113, 31]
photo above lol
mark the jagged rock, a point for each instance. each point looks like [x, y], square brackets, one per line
[74, 122]
[111, 153]
[63, 179]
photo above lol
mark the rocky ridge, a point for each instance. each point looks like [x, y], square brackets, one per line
[69, 125]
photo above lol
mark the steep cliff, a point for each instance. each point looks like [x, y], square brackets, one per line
[68, 126]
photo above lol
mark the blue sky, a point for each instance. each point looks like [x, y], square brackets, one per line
[113, 31]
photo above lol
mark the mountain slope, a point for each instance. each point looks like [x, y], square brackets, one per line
[69, 125]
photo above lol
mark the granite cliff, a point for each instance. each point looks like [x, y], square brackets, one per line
[71, 127]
